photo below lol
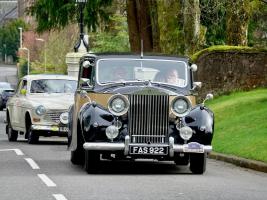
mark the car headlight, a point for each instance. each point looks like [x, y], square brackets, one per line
[40, 110]
[118, 105]
[181, 106]
[64, 118]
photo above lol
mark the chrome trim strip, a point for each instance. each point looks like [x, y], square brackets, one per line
[103, 146]
[171, 149]
[127, 142]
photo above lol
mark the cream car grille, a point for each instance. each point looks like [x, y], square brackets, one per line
[149, 118]
[53, 116]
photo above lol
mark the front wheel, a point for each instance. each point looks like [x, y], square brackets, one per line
[198, 163]
[92, 161]
[33, 137]
[11, 133]
[77, 157]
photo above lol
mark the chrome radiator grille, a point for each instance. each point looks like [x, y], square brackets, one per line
[148, 118]
[53, 116]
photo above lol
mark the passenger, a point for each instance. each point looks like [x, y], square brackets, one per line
[171, 77]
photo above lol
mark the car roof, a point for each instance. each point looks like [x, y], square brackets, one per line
[49, 76]
[137, 56]
[5, 84]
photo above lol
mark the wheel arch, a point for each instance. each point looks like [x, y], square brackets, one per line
[7, 114]
[28, 121]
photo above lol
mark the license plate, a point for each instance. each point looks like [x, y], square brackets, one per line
[193, 147]
[63, 129]
[149, 150]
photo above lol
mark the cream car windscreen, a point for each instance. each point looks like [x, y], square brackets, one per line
[53, 86]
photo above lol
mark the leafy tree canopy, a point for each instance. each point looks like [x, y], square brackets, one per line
[51, 14]
[9, 37]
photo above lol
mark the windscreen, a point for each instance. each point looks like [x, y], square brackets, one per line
[53, 86]
[162, 71]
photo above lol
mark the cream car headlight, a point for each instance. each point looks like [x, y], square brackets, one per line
[40, 110]
[186, 132]
[64, 118]
[112, 132]
[181, 106]
[118, 104]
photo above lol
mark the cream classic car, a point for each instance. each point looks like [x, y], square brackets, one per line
[40, 107]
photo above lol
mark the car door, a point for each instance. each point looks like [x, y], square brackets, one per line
[18, 101]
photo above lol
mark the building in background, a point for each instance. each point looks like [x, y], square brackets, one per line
[22, 7]
[8, 11]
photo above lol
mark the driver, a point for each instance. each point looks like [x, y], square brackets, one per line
[119, 74]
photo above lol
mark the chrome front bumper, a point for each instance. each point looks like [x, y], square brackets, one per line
[105, 146]
[52, 128]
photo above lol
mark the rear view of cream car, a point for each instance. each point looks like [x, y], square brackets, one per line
[40, 107]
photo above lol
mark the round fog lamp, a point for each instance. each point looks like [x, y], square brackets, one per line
[64, 118]
[112, 132]
[186, 132]
[118, 124]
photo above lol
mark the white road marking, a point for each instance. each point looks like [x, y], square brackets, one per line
[59, 197]
[17, 151]
[32, 163]
[47, 180]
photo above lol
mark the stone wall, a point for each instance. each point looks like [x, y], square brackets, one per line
[224, 71]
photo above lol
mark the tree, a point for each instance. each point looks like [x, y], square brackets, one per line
[10, 38]
[257, 29]
[191, 25]
[51, 14]
[237, 14]
[141, 15]
[171, 26]
[143, 25]
[112, 35]
[213, 17]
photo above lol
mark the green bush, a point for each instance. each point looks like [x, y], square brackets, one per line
[23, 67]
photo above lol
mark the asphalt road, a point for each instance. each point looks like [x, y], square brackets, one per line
[43, 171]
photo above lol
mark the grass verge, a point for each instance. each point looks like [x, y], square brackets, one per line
[241, 124]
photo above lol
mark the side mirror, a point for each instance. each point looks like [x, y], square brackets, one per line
[208, 97]
[86, 64]
[197, 86]
[193, 67]
[85, 83]
[23, 92]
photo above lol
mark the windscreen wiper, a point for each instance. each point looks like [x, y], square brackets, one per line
[165, 85]
[113, 83]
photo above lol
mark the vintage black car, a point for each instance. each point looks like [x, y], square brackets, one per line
[134, 106]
